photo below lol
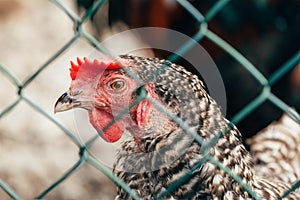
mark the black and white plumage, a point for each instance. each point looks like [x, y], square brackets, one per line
[202, 113]
[276, 150]
[176, 109]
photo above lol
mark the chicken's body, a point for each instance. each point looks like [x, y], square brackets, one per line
[162, 149]
[276, 150]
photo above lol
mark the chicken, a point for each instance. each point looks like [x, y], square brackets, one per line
[276, 150]
[177, 131]
[272, 26]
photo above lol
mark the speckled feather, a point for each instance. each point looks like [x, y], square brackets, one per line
[276, 150]
[183, 94]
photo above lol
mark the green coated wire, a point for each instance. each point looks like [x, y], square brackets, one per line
[205, 148]
[66, 131]
[174, 185]
[266, 94]
[10, 77]
[91, 11]
[197, 37]
[9, 190]
[67, 11]
[287, 66]
[234, 176]
[283, 106]
[113, 177]
[237, 56]
[178, 120]
[10, 107]
[139, 98]
[249, 108]
[215, 9]
[294, 187]
[74, 168]
[192, 10]
[95, 43]
[58, 53]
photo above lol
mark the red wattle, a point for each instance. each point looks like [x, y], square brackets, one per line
[142, 113]
[99, 119]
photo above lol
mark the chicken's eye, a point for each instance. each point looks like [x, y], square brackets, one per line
[117, 85]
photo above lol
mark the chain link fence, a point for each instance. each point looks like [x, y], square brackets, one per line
[85, 158]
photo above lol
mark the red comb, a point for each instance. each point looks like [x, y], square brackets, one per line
[105, 63]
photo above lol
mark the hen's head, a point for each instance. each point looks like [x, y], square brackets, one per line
[104, 89]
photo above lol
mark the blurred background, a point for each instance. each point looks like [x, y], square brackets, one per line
[34, 152]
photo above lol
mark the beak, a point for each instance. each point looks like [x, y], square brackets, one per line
[66, 102]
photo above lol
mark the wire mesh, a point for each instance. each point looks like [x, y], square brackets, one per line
[204, 32]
